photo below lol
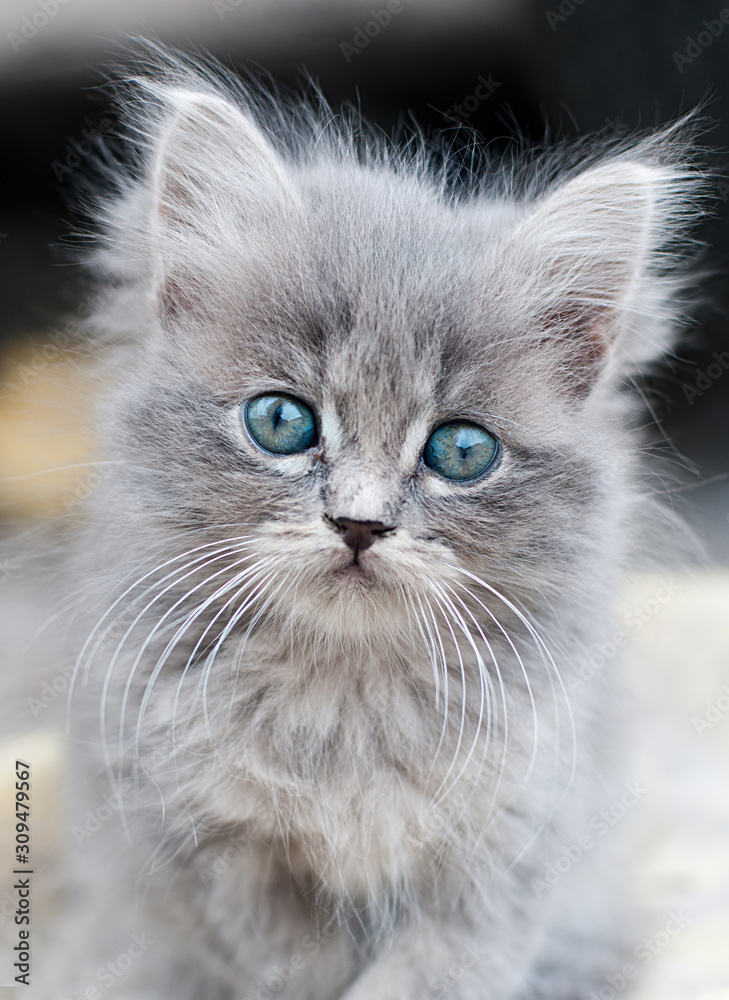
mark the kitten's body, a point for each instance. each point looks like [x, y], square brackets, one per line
[345, 780]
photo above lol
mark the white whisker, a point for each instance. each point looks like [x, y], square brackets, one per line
[229, 584]
[549, 662]
[486, 694]
[84, 653]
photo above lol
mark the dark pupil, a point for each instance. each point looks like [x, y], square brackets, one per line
[281, 424]
[460, 450]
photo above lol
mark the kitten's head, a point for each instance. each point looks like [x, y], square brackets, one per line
[375, 385]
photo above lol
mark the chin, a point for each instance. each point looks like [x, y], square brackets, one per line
[352, 602]
[331, 596]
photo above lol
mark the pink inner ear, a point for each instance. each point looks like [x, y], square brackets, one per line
[176, 202]
[577, 335]
[177, 294]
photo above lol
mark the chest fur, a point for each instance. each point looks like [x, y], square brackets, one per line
[361, 788]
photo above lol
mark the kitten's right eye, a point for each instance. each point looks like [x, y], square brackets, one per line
[280, 424]
[460, 450]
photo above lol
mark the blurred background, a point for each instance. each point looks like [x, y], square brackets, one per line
[557, 68]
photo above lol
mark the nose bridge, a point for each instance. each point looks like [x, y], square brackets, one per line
[363, 491]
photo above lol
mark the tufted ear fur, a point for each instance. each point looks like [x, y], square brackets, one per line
[216, 184]
[583, 254]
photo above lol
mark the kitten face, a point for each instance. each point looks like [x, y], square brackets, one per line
[383, 344]
[389, 311]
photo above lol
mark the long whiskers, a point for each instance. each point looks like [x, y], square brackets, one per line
[157, 627]
[553, 673]
[486, 693]
[187, 622]
[527, 683]
[85, 656]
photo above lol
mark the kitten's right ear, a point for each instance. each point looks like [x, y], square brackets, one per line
[216, 181]
[594, 264]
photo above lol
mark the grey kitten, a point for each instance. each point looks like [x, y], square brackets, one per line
[369, 494]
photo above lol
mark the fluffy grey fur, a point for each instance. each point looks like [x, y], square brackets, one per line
[346, 782]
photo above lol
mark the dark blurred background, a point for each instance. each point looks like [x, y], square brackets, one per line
[564, 67]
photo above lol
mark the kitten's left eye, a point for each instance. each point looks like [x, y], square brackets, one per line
[280, 424]
[460, 450]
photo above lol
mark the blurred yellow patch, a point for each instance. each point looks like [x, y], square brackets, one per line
[46, 444]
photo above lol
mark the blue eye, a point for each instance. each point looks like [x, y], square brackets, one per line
[280, 424]
[460, 450]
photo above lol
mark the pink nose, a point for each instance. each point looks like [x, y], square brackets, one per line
[359, 535]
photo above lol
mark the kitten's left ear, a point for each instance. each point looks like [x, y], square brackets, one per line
[216, 183]
[590, 256]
